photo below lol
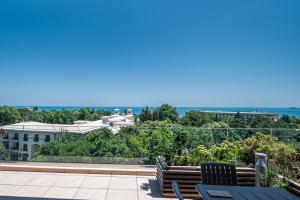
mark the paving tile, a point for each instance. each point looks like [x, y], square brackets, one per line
[69, 181]
[18, 179]
[4, 176]
[9, 190]
[31, 191]
[60, 192]
[97, 194]
[147, 183]
[96, 182]
[128, 183]
[122, 195]
[149, 195]
[44, 180]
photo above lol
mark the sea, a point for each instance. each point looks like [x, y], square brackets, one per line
[182, 110]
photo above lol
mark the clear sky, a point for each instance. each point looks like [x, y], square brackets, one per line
[149, 52]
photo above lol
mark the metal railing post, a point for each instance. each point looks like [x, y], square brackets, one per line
[260, 166]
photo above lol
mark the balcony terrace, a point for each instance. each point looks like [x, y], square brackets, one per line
[46, 185]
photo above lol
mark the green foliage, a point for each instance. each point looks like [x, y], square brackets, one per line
[180, 141]
[238, 121]
[146, 115]
[270, 176]
[196, 137]
[196, 118]
[220, 132]
[161, 142]
[278, 152]
[230, 152]
[199, 155]
[9, 115]
[166, 112]
[2, 152]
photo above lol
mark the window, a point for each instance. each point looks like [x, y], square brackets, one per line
[25, 137]
[6, 144]
[36, 137]
[47, 138]
[25, 147]
[16, 136]
[15, 146]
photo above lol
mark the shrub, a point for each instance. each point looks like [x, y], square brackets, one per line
[276, 151]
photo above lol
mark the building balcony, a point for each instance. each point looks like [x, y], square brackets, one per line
[91, 181]
[108, 185]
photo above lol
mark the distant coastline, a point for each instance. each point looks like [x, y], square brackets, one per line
[182, 110]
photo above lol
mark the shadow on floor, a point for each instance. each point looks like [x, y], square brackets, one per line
[152, 188]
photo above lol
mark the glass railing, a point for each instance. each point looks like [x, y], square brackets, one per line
[129, 145]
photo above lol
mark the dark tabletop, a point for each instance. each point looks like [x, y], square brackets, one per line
[246, 193]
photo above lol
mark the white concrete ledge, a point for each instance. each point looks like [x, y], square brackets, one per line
[78, 170]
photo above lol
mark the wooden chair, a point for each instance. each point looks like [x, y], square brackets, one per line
[176, 190]
[218, 174]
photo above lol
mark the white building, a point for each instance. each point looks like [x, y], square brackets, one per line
[245, 115]
[22, 139]
[116, 121]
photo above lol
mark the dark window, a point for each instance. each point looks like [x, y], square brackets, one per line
[36, 137]
[25, 147]
[16, 136]
[15, 146]
[6, 144]
[47, 138]
[25, 137]
[25, 157]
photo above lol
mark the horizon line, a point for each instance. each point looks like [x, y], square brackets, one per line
[140, 106]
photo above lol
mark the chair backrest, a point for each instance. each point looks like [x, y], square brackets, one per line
[218, 174]
[176, 190]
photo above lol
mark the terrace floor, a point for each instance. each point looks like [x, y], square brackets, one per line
[43, 185]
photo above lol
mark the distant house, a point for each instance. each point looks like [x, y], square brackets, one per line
[22, 139]
[116, 121]
[245, 115]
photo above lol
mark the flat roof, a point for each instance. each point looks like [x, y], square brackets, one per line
[254, 113]
[56, 128]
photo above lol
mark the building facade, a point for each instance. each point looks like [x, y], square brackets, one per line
[245, 115]
[22, 140]
[21, 144]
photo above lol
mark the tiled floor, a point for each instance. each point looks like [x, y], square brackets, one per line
[21, 185]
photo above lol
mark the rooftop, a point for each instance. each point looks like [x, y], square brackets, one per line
[253, 112]
[85, 127]
[41, 185]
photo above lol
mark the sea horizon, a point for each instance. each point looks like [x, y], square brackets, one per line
[292, 111]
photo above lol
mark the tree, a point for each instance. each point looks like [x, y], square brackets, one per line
[196, 118]
[261, 122]
[166, 112]
[220, 131]
[180, 141]
[85, 114]
[277, 151]
[238, 121]
[146, 115]
[9, 115]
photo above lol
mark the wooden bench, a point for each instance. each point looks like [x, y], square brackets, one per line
[294, 188]
[188, 176]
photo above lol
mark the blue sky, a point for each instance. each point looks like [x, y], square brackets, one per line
[136, 53]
